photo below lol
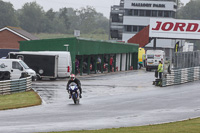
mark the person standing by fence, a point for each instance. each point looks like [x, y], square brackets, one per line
[160, 69]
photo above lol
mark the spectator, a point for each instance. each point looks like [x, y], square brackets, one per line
[160, 69]
[111, 63]
[76, 66]
[99, 64]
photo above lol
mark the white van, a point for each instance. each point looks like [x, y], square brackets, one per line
[47, 64]
[16, 67]
[153, 57]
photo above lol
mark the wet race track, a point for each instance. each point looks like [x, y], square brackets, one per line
[109, 100]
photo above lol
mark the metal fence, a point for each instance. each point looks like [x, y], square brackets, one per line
[13, 86]
[186, 59]
[186, 68]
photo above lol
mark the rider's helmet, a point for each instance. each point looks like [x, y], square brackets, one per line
[72, 76]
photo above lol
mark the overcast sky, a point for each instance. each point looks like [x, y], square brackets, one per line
[102, 6]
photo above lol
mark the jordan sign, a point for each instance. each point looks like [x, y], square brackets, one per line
[174, 28]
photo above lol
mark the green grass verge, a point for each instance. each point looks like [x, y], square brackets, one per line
[188, 126]
[19, 100]
[87, 36]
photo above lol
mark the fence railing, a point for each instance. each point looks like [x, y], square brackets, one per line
[186, 59]
[13, 86]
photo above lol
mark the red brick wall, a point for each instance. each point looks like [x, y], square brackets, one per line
[9, 40]
[141, 38]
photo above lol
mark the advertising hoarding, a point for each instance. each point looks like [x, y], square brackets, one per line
[174, 28]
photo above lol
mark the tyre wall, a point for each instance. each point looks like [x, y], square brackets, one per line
[181, 76]
[14, 86]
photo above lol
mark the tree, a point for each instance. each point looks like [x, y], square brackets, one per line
[63, 16]
[102, 24]
[86, 19]
[190, 10]
[180, 4]
[7, 15]
[73, 20]
[50, 18]
[32, 18]
[50, 14]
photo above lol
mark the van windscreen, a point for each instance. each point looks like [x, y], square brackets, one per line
[24, 64]
[150, 56]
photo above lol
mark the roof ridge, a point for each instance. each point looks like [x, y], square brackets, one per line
[20, 32]
[13, 27]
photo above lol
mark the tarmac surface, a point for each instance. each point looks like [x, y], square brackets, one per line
[112, 100]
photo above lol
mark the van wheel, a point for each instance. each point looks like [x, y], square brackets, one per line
[39, 78]
[1, 75]
[6, 76]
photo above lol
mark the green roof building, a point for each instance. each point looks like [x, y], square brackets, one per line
[125, 55]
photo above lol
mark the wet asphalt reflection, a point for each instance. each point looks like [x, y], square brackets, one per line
[94, 85]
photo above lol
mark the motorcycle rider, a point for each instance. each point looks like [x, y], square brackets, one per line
[75, 80]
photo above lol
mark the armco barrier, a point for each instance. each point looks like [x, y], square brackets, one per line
[17, 85]
[180, 76]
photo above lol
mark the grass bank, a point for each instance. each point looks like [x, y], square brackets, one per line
[88, 36]
[19, 100]
[188, 126]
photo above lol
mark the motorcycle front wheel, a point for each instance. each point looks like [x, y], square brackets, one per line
[74, 98]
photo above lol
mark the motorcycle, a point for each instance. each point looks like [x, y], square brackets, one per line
[73, 90]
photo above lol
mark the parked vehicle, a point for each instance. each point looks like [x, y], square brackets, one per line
[47, 64]
[73, 89]
[152, 59]
[141, 52]
[15, 69]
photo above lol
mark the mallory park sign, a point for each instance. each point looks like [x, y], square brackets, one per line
[174, 28]
[148, 5]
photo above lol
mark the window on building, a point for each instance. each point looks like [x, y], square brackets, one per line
[135, 12]
[114, 33]
[160, 13]
[135, 29]
[173, 14]
[142, 13]
[154, 13]
[126, 12]
[129, 28]
[175, 6]
[148, 12]
[130, 12]
[141, 27]
[115, 17]
[166, 14]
